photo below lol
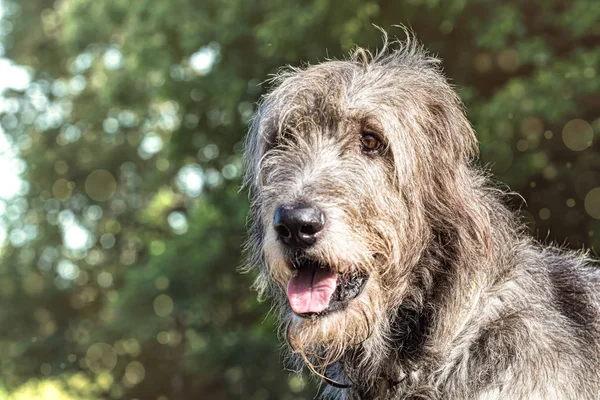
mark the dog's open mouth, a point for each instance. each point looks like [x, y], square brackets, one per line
[316, 289]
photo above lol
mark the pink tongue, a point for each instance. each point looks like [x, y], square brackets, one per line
[311, 289]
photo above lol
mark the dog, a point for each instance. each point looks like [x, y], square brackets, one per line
[396, 269]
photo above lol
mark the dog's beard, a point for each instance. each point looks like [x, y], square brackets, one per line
[352, 304]
[322, 339]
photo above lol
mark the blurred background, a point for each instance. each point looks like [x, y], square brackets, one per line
[121, 218]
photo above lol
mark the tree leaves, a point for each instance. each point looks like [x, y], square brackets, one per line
[158, 94]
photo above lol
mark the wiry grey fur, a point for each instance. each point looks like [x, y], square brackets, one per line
[460, 303]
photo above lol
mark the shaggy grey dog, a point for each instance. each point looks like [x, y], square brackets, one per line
[396, 269]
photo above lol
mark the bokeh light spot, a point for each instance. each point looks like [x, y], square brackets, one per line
[174, 337]
[203, 60]
[13, 76]
[508, 60]
[81, 63]
[46, 369]
[190, 180]
[296, 383]
[157, 247]
[112, 296]
[100, 358]
[77, 84]
[135, 372]
[105, 279]
[446, 27]
[62, 189]
[213, 177]
[150, 145]
[61, 167]
[550, 172]
[162, 337]
[110, 125]
[544, 213]
[12, 184]
[230, 171]
[162, 164]
[93, 212]
[163, 305]
[178, 222]
[100, 185]
[539, 160]
[105, 381]
[592, 203]
[112, 226]
[107, 240]
[577, 134]
[113, 59]
[67, 270]
[75, 235]
[162, 282]
[209, 152]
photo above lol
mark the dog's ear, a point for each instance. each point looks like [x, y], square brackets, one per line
[453, 146]
[459, 150]
[452, 128]
[422, 75]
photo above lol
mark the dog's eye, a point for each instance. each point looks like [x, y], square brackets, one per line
[369, 142]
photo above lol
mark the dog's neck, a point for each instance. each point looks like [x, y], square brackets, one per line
[409, 328]
[413, 342]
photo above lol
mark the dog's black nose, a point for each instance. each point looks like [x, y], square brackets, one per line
[298, 225]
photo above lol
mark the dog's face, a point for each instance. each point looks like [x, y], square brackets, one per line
[339, 170]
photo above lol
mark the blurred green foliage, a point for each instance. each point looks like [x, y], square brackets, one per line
[119, 261]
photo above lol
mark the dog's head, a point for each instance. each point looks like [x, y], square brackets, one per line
[350, 166]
